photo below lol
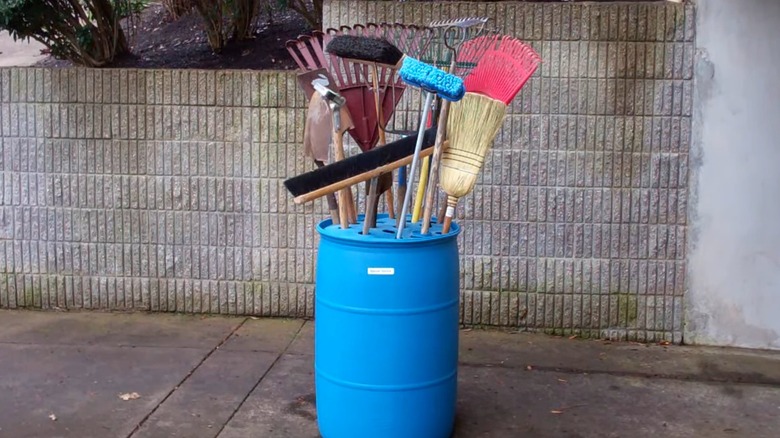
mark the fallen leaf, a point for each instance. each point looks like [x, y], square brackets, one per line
[664, 342]
[562, 381]
[129, 396]
[52, 417]
[560, 410]
[529, 368]
[573, 337]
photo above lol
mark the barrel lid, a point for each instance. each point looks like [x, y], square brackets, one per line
[385, 231]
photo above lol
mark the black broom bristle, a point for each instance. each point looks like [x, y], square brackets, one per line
[357, 164]
[364, 48]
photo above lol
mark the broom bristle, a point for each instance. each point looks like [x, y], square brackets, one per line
[365, 48]
[503, 71]
[472, 126]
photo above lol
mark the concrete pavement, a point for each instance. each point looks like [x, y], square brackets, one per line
[63, 375]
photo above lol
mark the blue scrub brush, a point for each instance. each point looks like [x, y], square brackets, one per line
[372, 50]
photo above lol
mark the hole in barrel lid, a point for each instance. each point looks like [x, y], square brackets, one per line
[388, 231]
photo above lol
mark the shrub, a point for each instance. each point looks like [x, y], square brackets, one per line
[227, 19]
[86, 32]
[235, 19]
[177, 8]
[311, 13]
[129, 8]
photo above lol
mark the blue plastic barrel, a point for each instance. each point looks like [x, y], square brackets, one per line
[386, 331]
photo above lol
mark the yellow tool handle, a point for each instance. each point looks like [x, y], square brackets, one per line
[418, 200]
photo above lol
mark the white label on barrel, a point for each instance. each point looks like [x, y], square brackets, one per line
[381, 271]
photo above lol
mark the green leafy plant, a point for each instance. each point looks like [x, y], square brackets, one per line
[86, 32]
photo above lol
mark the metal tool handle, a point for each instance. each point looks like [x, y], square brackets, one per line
[415, 159]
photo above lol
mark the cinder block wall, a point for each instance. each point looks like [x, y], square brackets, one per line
[579, 220]
[162, 190]
[155, 190]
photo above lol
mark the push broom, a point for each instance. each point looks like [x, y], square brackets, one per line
[475, 120]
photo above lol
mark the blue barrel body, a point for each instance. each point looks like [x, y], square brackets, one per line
[386, 332]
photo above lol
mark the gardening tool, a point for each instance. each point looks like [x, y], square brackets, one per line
[372, 202]
[492, 85]
[316, 134]
[455, 34]
[336, 102]
[354, 85]
[358, 168]
[307, 51]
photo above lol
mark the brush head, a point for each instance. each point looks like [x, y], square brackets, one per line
[357, 164]
[367, 49]
[430, 78]
[501, 72]
[472, 126]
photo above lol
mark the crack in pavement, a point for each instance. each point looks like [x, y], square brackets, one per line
[249, 393]
[192, 371]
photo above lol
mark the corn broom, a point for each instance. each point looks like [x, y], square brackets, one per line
[475, 120]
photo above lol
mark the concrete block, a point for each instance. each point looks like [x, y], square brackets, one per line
[36, 76]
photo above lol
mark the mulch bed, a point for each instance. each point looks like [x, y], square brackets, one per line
[158, 42]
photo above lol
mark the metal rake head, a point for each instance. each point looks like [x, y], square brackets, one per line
[449, 36]
[462, 22]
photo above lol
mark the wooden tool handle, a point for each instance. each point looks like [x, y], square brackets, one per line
[365, 176]
[333, 206]
[438, 149]
[452, 202]
[351, 206]
[371, 201]
[390, 202]
[344, 198]
[418, 200]
[338, 145]
[401, 187]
